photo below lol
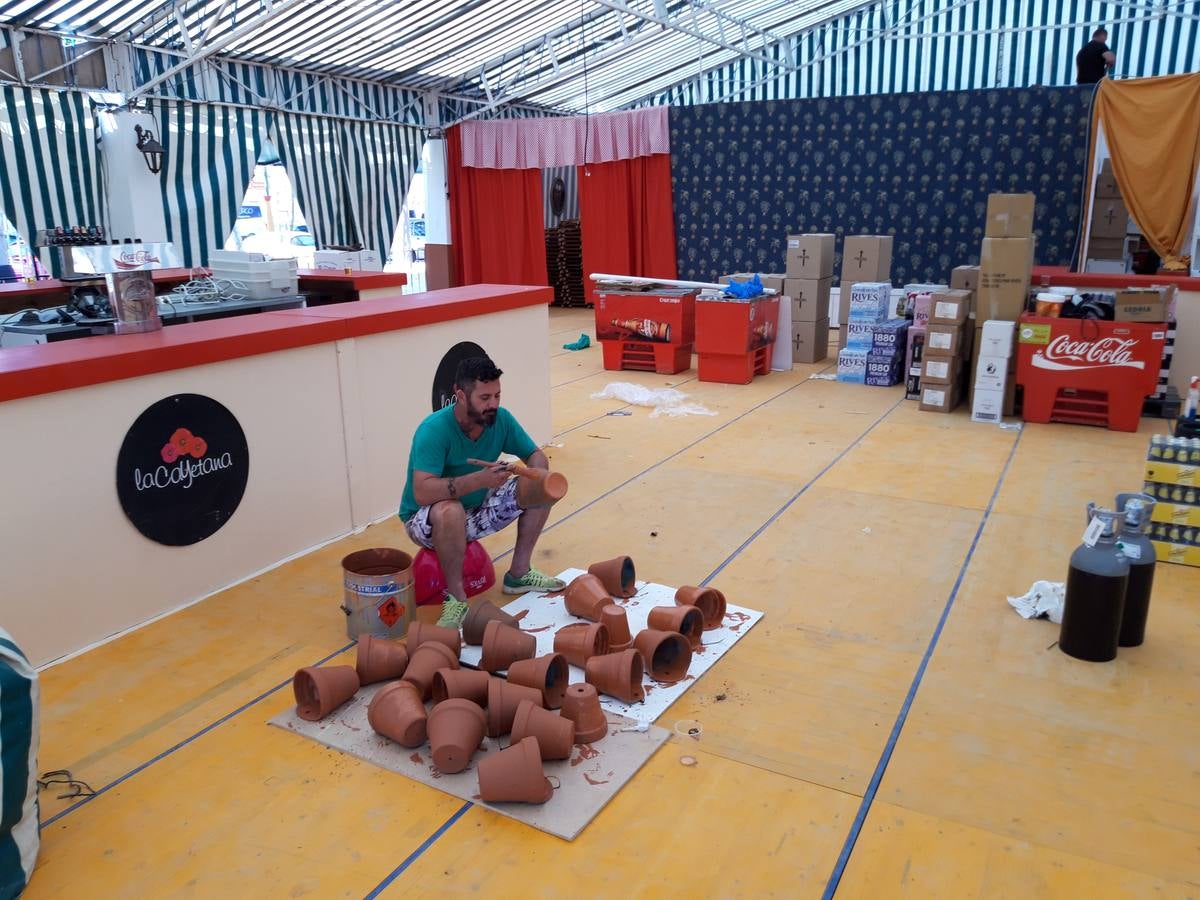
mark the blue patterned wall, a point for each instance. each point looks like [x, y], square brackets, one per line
[917, 166]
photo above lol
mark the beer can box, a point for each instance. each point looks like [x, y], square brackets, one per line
[859, 334]
[889, 335]
[852, 365]
[869, 301]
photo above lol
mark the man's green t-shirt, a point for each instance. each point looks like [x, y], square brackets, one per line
[439, 446]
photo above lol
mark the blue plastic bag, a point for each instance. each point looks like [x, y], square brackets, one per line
[746, 289]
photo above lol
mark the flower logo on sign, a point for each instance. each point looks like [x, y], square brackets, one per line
[183, 443]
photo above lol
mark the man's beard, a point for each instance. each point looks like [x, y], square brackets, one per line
[486, 417]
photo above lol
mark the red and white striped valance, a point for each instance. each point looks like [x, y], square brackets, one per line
[546, 143]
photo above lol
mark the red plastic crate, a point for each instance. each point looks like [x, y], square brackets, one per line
[644, 356]
[734, 368]
[736, 326]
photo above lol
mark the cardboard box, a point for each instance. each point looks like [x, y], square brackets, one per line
[810, 341]
[1106, 248]
[869, 301]
[950, 308]
[370, 261]
[1010, 215]
[335, 259]
[941, 398]
[1142, 304]
[1110, 218]
[940, 370]
[1005, 269]
[1106, 183]
[987, 406]
[922, 306]
[859, 334]
[852, 365]
[810, 256]
[1181, 554]
[1172, 473]
[965, 278]
[946, 340]
[866, 258]
[991, 373]
[1106, 266]
[995, 338]
[774, 283]
[810, 298]
[913, 355]
[884, 370]
[1177, 513]
[890, 336]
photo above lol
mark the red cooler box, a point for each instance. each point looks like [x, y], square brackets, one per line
[647, 330]
[734, 338]
[1088, 372]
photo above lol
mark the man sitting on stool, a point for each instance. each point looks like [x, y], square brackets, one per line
[448, 502]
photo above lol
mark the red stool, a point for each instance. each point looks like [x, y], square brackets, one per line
[429, 583]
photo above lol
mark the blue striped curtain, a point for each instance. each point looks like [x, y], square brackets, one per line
[379, 161]
[570, 210]
[49, 165]
[209, 154]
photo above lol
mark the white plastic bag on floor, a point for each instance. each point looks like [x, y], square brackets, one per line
[1045, 598]
[664, 401]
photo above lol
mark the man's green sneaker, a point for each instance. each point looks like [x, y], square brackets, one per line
[533, 580]
[453, 612]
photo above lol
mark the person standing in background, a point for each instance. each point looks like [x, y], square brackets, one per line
[1095, 60]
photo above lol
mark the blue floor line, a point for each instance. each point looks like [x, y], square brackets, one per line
[412, 857]
[864, 807]
[165, 753]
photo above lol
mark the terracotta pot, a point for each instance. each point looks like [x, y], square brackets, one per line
[503, 645]
[321, 690]
[503, 700]
[666, 654]
[477, 618]
[585, 596]
[455, 729]
[422, 633]
[466, 684]
[548, 674]
[578, 642]
[379, 659]
[617, 576]
[618, 675]
[424, 662]
[540, 487]
[582, 706]
[685, 620]
[554, 734]
[397, 712]
[613, 618]
[515, 775]
[709, 601]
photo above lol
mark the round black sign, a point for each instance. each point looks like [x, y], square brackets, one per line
[182, 469]
[443, 379]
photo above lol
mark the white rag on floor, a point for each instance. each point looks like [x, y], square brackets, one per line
[1045, 598]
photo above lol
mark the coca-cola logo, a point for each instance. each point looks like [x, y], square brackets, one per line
[1063, 353]
[134, 259]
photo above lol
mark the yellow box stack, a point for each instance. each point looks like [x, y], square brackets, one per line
[1172, 477]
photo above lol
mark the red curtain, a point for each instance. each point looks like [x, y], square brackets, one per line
[627, 219]
[496, 222]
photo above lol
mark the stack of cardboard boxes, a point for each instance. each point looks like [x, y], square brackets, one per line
[866, 259]
[1110, 221]
[1173, 478]
[993, 371]
[946, 347]
[917, 301]
[874, 351]
[807, 281]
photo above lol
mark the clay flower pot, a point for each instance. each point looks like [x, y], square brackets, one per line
[424, 662]
[582, 706]
[466, 684]
[455, 729]
[503, 645]
[379, 660]
[539, 487]
[319, 691]
[397, 712]
[420, 633]
[578, 642]
[613, 618]
[548, 674]
[515, 775]
[585, 596]
[709, 601]
[617, 576]
[477, 618]
[667, 654]
[503, 700]
[554, 734]
[618, 675]
[685, 620]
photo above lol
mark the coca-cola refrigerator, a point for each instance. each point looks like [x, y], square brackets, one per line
[1088, 372]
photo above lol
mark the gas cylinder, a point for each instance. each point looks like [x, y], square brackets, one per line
[1096, 583]
[1139, 550]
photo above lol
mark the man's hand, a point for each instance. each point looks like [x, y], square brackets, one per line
[493, 476]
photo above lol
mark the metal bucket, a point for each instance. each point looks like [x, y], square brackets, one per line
[377, 595]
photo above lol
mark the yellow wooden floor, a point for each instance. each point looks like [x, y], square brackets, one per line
[991, 764]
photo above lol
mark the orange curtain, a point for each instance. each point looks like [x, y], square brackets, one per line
[1152, 126]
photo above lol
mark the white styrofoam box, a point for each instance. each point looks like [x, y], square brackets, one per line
[991, 373]
[370, 261]
[996, 338]
[335, 259]
[987, 406]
